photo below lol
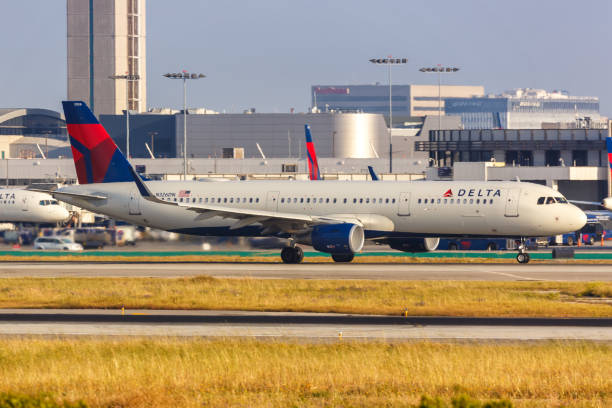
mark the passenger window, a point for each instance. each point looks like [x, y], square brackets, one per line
[361, 201]
[419, 201]
[439, 200]
[231, 199]
[367, 201]
[206, 200]
[354, 200]
[257, 200]
[327, 200]
[225, 199]
[452, 201]
[465, 201]
[301, 199]
[386, 201]
[491, 201]
[446, 201]
[250, 199]
[478, 201]
[344, 201]
[393, 201]
[335, 200]
[471, 201]
[295, 199]
[425, 201]
[541, 200]
[308, 200]
[282, 200]
[181, 200]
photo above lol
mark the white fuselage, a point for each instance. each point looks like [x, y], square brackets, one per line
[421, 208]
[19, 205]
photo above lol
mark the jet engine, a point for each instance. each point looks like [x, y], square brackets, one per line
[335, 238]
[607, 203]
[414, 244]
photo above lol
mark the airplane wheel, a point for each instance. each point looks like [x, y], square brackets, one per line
[570, 241]
[522, 258]
[591, 240]
[343, 257]
[292, 255]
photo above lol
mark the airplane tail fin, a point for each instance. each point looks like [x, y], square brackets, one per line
[609, 147]
[313, 164]
[96, 156]
[373, 173]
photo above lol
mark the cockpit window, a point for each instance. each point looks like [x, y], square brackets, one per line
[541, 200]
[561, 200]
[550, 200]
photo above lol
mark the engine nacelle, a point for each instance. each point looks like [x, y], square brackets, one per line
[414, 244]
[337, 238]
[607, 203]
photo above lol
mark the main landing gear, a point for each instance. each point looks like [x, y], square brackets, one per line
[523, 256]
[292, 254]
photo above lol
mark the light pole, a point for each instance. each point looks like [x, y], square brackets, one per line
[439, 69]
[184, 76]
[127, 78]
[390, 61]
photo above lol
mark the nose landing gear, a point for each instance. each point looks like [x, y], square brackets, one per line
[292, 254]
[523, 256]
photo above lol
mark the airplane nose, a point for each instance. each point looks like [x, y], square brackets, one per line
[62, 213]
[578, 218]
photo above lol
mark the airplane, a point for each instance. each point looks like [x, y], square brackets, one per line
[20, 205]
[335, 217]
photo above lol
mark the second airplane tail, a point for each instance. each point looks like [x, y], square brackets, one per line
[311, 154]
[96, 156]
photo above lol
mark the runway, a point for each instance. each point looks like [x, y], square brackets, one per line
[484, 271]
[307, 326]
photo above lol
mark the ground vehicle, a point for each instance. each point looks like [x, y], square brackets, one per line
[58, 243]
[476, 244]
[599, 224]
[21, 237]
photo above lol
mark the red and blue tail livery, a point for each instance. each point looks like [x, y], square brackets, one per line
[609, 147]
[313, 164]
[97, 158]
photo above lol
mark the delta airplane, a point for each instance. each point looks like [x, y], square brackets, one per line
[335, 217]
[18, 205]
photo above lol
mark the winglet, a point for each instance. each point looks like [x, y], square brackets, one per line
[142, 187]
[373, 173]
[311, 155]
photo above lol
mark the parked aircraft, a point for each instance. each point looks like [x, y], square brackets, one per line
[19, 205]
[334, 217]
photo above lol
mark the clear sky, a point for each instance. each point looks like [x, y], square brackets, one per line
[265, 54]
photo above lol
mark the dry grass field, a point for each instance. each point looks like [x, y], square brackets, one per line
[448, 298]
[195, 373]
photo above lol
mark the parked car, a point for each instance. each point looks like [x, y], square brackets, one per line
[57, 243]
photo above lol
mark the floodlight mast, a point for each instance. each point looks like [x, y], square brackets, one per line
[184, 76]
[127, 78]
[439, 69]
[390, 61]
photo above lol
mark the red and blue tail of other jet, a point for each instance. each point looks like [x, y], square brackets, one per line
[96, 157]
[311, 155]
[609, 146]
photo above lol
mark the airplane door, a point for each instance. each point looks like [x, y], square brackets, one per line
[24, 200]
[134, 203]
[272, 201]
[404, 204]
[512, 201]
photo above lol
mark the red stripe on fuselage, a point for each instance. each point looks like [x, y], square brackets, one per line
[89, 135]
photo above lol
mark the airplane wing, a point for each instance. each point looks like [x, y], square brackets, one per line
[73, 195]
[287, 222]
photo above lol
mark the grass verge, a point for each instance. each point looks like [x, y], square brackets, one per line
[446, 298]
[195, 373]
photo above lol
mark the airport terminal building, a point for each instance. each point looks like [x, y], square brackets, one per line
[525, 109]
